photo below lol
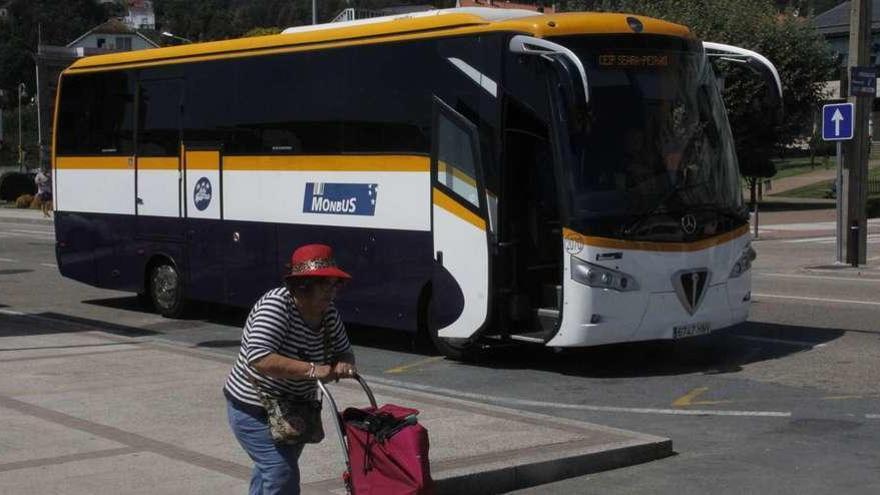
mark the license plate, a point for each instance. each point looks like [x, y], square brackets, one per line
[691, 330]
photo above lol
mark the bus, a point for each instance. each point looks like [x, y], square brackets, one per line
[568, 179]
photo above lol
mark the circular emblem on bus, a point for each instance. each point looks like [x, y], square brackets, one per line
[689, 223]
[202, 194]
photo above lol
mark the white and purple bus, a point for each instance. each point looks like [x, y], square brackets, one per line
[566, 179]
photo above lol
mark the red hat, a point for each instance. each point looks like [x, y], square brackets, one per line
[314, 260]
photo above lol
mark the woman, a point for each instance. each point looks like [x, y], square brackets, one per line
[282, 353]
[44, 191]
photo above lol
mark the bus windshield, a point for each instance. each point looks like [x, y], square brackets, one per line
[654, 143]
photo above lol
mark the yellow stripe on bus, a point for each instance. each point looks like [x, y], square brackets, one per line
[93, 162]
[604, 242]
[393, 30]
[158, 163]
[202, 160]
[330, 163]
[452, 206]
[208, 160]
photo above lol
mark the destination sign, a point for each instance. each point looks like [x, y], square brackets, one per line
[627, 60]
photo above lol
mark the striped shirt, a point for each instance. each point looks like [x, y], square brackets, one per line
[276, 326]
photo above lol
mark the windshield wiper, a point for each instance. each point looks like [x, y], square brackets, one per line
[741, 215]
[660, 206]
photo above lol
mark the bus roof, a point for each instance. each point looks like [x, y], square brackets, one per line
[441, 22]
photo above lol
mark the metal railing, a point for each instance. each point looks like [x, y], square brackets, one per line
[873, 186]
[351, 14]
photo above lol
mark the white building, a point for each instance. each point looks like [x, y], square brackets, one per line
[140, 15]
[113, 35]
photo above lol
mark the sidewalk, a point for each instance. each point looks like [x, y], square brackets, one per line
[23, 215]
[821, 174]
[87, 412]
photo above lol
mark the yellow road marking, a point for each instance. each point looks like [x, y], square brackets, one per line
[401, 369]
[688, 399]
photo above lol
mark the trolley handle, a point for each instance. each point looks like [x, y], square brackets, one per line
[363, 385]
[337, 421]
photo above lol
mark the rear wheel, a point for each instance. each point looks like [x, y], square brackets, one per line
[166, 290]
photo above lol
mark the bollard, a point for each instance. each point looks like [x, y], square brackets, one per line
[854, 242]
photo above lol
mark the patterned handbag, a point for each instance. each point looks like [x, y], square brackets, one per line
[293, 420]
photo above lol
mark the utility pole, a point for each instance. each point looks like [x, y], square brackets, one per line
[852, 190]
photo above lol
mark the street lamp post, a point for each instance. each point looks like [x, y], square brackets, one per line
[174, 36]
[21, 93]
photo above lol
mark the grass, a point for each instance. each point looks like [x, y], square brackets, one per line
[796, 166]
[820, 189]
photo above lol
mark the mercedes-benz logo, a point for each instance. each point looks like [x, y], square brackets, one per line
[689, 223]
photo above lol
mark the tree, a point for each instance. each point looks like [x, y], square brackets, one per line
[800, 54]
[48, 21]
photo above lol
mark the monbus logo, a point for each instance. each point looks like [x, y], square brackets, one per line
[340, 199]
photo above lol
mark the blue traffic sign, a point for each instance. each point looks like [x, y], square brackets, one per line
[837, 122]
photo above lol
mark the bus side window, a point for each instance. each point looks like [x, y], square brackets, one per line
[455, 155]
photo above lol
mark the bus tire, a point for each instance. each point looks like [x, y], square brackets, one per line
[463, 351]
[166, 290]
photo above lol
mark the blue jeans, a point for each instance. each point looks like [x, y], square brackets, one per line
[276, 467]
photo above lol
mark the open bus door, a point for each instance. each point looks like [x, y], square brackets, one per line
[460, 285]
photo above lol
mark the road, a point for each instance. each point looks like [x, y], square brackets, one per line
[786, 403]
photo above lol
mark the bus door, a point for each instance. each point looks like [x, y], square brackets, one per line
[460, 286]
[203, 209]
[158, 173]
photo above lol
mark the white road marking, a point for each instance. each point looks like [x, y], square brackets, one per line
[817, 299]
[11, 312]
[818, 277]
[50, 265]
[43, 232]
[582, 407]
[798, 343]
[7, 260]
[872, 416]
[871, 239]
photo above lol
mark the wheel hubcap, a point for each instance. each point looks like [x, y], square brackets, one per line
[165, 286]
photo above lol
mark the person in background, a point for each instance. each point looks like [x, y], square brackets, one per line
[44, 191]
[284, 348]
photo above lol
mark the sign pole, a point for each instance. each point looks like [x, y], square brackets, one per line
[852, 190]
[838, 193]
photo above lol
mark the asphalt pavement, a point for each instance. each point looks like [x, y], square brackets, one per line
[787, 403]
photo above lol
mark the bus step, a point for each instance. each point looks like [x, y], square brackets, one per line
[533, 337]
[547, 318]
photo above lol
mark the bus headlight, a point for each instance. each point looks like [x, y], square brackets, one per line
[600, 277]
[744, 263]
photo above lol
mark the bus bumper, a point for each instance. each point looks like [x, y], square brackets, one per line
[593, 316]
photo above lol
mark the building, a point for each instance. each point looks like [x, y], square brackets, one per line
[111, 36]
[834, 26]
[140, 15]
[538, 6]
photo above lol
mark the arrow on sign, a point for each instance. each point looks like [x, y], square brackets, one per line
[836, 118]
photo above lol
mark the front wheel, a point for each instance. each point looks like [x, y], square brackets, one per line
[457, 349]
[166, 290]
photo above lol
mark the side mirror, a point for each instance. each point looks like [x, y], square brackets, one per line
[754, 61]
[528, 45]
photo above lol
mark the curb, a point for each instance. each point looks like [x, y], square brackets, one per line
[529, 467]
[567, 464]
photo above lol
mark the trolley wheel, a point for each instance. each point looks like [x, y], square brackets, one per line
[166, 290]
